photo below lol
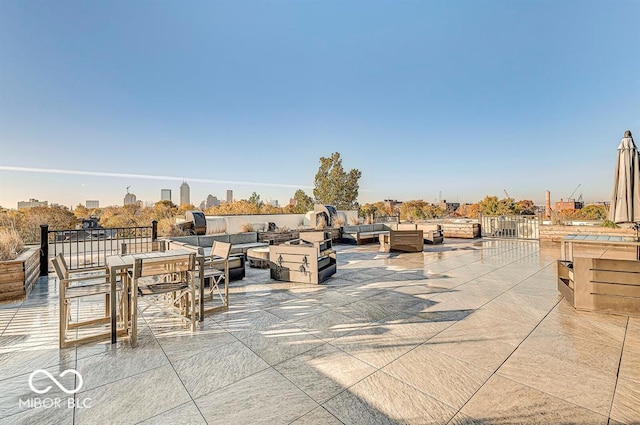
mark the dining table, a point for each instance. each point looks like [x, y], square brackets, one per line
[122, 265]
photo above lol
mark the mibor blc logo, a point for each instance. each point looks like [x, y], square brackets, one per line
[49, 403]
[55, 381]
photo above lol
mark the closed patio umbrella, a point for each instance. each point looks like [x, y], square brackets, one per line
[625, 203]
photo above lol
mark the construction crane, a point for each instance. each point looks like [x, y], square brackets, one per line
[128, 189]
[574, 192]
[505, 192]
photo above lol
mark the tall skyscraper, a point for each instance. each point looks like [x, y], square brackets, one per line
[165, 194]
[92, 204]
[212, 201]
[185, 195]
[229, 195]
[130, 199]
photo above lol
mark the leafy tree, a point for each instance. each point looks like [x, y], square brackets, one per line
[254, 199]
[469, 210]
[377, 209]
[433, 211]
[27, 221]
[334, 186]
[490, 205]
[525, 207]
[589, 212]
[412, 210]
[186, 207]
[303, 204]
[81, 211]
[164, 209]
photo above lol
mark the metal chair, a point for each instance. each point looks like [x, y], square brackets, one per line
[75, 285]
[167, 283]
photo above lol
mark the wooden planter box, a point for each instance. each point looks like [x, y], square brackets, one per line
[18, 276]
[555, 233]
[601, 284]
[461, 230]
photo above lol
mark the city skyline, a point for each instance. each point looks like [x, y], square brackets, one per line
[213, 200]
[464, 98]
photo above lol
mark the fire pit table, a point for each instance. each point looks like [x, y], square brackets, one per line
[258, 257]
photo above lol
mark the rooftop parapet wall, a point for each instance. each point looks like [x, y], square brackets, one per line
[234, 223]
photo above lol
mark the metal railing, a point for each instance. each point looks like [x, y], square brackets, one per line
[89, 248]
[511, 227]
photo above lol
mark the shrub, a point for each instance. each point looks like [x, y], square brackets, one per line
[609, 223]
[167, 227]
[11, 244]
[321, 222]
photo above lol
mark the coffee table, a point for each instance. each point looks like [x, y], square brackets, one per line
[258, 257]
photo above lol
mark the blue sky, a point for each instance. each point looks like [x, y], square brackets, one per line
[463, 97]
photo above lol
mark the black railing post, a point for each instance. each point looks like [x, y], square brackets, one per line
[44, 249]
[154, 230]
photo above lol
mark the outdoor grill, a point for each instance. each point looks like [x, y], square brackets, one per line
[195, 222]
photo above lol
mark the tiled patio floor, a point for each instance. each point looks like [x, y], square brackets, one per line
[470, 332]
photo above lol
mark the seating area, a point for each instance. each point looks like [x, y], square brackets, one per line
[240, 242]
[370, 233]
[472, 331]
[363, 233]
[237, 256]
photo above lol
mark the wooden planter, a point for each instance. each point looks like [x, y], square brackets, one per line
[18, 276]
[461, 230]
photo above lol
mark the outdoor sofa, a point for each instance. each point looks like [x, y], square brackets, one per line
[240, 243]
[363, 233]
[366, 233]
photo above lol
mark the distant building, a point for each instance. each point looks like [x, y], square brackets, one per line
[273, 203]
[449, 207]
[32, 203]
[293, 202]
[392, 204]
[229, 195]
[165, 195]
[569, 204]
[212, 201]
[130, 199]
[185, 194]
[203, 206]
[92, 204]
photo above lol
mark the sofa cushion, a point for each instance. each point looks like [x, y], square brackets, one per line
[365, 235]
[234, 263]
[366, 228]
